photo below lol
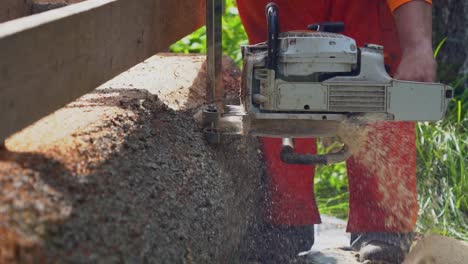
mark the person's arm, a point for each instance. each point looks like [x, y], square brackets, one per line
[414, 24]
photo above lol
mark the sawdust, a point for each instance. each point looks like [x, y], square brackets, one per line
[119, 177]
[375, 146]
[68, 130]
[15, 248]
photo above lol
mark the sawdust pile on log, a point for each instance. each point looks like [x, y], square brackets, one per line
[119, 177]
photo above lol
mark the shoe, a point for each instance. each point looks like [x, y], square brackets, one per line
[284, 243]
[381, 252]
[381, 248]
[294, 239]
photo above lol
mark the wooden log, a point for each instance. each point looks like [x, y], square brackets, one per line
[12, 9]
[104, 168]
[179, 80]
[48, 60]
[39, 6]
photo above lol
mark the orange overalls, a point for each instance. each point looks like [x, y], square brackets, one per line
[290, 187]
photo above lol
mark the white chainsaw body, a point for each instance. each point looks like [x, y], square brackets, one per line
[324, 77]
[305, 83]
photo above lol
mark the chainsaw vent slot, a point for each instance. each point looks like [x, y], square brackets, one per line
[356, 99]
[261, 74]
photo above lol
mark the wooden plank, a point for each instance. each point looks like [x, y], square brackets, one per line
[50, 59]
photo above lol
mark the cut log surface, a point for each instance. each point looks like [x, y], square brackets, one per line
[117, 176]
[178, 80]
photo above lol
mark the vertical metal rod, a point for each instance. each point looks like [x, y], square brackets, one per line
[289, 142]
[214, 12]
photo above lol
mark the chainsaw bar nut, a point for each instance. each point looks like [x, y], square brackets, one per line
[212, 135]
[210, 117]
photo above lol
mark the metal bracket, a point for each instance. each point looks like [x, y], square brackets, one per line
[214, 79]
[288, 156]
[214, 53]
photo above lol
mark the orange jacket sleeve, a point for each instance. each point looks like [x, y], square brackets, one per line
[394, 4]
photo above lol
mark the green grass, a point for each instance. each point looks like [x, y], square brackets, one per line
[439, 46]
[442, 171]
[331, 187]
[441, 147]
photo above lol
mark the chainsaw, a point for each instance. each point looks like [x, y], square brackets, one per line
[303, 84]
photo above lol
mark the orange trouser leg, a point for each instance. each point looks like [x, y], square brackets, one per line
[382, 177]
[290, 196]
[382, 180]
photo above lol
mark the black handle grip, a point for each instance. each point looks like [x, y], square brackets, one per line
[333, 27]
[272, 15]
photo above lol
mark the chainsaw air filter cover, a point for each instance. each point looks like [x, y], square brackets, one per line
[303, 53]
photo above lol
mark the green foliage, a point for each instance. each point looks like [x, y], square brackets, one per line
[442, 183]
[439, 46]
[442, 172]
[441, 148]
[459, 106]
[193, 43]
[233, 36]
[331, 186]
[442, 167]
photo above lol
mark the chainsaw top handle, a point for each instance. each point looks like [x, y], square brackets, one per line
[272, 14]
[332, 27]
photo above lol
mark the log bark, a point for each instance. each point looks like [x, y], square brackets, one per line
[40, 6]
[12, 9]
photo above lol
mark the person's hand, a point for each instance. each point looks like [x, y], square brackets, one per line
[417, 64]
[414, 24]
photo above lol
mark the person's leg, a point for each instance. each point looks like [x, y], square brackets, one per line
[382, 176]
[382, 179]
[289, 187]
[383, 200]
[387, 160]
[291, 210]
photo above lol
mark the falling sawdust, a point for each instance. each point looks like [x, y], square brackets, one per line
[385, 152]
[376, 146]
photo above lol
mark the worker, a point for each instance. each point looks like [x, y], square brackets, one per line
[404, 28]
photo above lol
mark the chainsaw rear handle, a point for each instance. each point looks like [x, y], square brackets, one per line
[272, 14]
[288, 156]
